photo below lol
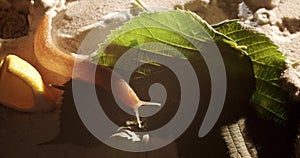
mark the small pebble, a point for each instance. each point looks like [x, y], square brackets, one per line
[146, 138]
[264, 16]
[244, 13]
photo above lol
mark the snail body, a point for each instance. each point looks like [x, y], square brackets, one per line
[55, 60]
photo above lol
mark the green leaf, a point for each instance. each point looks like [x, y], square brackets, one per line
[175, 30]
[269, 99]
[163, 35]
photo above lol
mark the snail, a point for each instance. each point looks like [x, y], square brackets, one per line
[52, 58]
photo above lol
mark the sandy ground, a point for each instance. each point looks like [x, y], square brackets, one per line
[21, 132]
